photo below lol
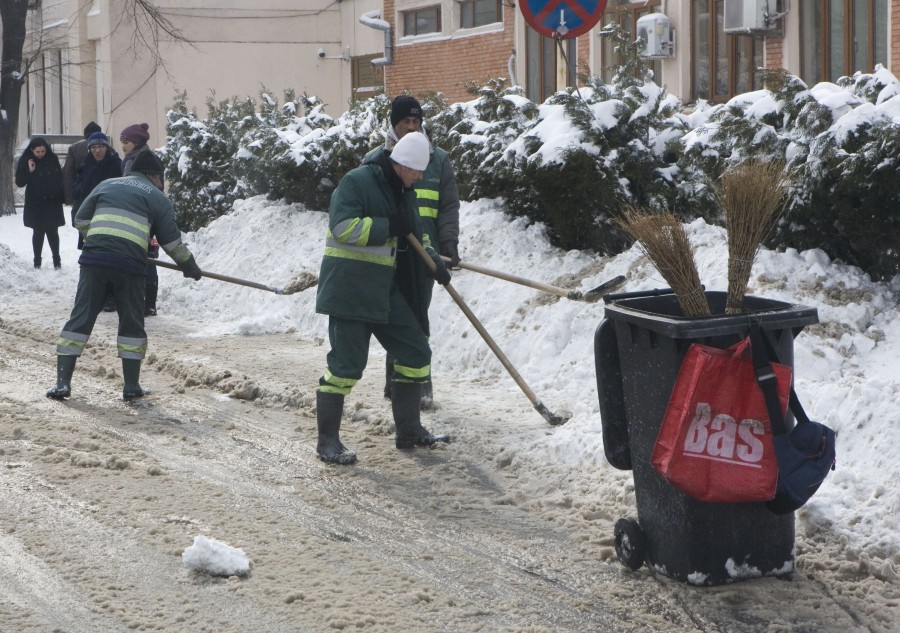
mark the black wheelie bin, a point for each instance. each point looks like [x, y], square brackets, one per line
[638, 349]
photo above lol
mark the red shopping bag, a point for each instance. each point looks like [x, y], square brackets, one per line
[715, 441]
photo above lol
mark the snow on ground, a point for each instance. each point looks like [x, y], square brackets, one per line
[847, 371]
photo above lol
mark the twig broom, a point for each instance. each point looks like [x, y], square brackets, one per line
[664, 241]
[752, 195]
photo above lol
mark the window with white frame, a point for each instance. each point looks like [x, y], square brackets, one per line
[422, 20]
[474, 13]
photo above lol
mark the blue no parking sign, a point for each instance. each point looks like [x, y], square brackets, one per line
[562, 19]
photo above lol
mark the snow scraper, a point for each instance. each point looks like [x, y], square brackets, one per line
[299, 282]
[591, 296]
[548, 415]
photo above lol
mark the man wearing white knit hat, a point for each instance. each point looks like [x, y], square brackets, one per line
[367, 269]
[438, 200]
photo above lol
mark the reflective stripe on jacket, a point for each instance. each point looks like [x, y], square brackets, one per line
[121, 214]
[360, 255]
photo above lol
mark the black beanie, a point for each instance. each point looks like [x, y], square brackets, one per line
[147, 162]
[91, 128]
[404, 106]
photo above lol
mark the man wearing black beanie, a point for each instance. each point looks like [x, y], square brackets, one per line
[438, 206]
[75, 158]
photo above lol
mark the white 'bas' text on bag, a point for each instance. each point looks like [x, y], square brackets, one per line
[722, 438]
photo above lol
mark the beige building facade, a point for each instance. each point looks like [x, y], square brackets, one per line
[98, 64]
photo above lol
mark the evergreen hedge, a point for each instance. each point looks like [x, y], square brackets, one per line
[628, 143]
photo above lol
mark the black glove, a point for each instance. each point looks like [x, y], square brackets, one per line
[190, 269]
[399, 224]
[440, 273]
[448, 249]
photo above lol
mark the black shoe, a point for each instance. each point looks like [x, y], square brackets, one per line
[133, 394]
[331, 453]
[420, 438]
[109, 306]
[59, 393]
[149, 311]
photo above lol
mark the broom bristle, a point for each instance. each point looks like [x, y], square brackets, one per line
[664, 241]
[752, 195]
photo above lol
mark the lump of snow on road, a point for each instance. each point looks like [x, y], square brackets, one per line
[216, 558]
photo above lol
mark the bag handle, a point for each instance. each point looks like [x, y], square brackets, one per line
[763, 350]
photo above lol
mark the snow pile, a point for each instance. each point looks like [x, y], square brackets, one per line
[216, 558]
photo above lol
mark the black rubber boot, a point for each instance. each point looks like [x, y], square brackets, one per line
[405, 403]
[329, 409]
[150, 297]
[57, 262]
[131, 371]
[37, 262]
[388, 375]
[65, 367]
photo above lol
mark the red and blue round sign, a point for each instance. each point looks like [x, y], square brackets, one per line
[562, 19]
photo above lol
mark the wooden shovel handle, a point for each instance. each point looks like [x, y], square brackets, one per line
[231, 280]
[537, 285]
[550, 417]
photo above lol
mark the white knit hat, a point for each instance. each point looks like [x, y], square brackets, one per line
[413, 151]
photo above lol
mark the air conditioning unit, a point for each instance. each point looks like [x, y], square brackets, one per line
[749, 16]
[657, 34]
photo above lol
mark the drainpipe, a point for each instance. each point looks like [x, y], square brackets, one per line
[511, 69]
[372, 20]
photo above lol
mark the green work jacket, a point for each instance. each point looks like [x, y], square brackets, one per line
[360, 261]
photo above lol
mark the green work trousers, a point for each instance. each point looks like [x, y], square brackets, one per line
[94, 283]
[402, 337]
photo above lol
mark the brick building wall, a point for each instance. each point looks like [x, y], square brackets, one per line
[448, 65]
[895, 37]
[774, 52]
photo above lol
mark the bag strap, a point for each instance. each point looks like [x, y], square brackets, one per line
[763, 350]
[765, 376]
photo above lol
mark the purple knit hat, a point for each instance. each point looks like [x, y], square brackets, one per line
[137, 134]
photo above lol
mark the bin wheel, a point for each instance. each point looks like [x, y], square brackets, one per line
[631, 543]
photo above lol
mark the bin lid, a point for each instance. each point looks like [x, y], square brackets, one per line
[661, 313]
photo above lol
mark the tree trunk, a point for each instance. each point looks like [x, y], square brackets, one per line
[13, 13]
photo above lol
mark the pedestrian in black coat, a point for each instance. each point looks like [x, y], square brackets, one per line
[39, 171]
[101, 163]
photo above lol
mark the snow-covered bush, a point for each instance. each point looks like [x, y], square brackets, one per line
[846, 194]
[576, 160]
[198, 158]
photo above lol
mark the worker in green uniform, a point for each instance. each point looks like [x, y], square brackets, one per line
[116, 221]
[366, 266]
[437, 201]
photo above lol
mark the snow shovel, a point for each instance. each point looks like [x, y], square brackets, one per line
[296, 284]
[591, 296]
[551, 417]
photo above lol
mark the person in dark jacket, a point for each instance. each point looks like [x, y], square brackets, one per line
[117, 220]
[438, 204]
[102, 163]
[134, 139]
[367, 263]
[39, 172]
[75, 156]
